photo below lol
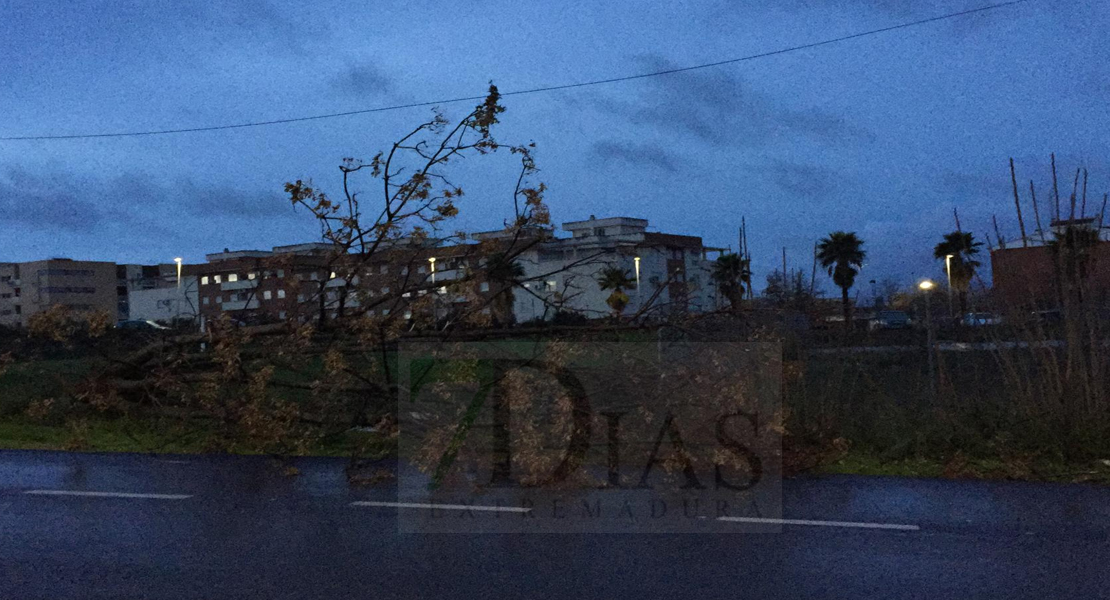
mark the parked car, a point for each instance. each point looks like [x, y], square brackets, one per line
[981, 319]
[890, 319]
[140, 325]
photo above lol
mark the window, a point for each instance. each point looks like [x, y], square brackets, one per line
[333, 275]
[314, 276]
[421, 269]
[442, 290]
[354, 280]
[16, 292]
[252, 275]
[383, 269]
[385, 311]
[300, 297]
[486, 311]
[18, 309]
[219, 299]
[404, 270]
[281, 293]
[484, 287]
[407, 295]
[216, 278]
[281, 315]
[232, 277]
[385, 290]
[421, 292]
[550, 286]
[204, 301]
[408, 314]
[204, 280]
[267, 294]
[281, 273]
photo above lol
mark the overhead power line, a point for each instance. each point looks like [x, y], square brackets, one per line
[537, 90]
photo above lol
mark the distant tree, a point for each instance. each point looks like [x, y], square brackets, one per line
[791, 292]
[888, 294]
[1071, 250]
[732, 275]
[842, 254]
[618, 280]
[962, 247]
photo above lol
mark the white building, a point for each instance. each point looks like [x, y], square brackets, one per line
[169, 304]
[671, 273]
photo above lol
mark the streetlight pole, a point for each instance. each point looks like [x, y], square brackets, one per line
[948, 272]
[178, 261]
[926, 286]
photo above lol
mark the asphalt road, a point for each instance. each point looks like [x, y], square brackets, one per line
[127, 526]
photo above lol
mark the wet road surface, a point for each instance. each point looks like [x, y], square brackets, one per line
[135, 526]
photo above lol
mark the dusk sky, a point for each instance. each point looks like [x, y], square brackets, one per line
[882, 135]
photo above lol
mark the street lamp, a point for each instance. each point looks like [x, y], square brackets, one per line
[178, 261]
[948, 272]
[432, 260]
[636, 262]
[927, 286]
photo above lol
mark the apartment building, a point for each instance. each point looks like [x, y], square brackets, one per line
[300, 281]
[30, 287]
[670, 272]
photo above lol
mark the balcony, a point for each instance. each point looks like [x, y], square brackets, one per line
[242, 284]
[240, 304]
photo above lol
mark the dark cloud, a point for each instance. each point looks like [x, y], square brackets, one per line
[225, 201]
[83, 204]
[808, 181]
[26, 202]
[717, 107]
[362, 80]
[639, 155]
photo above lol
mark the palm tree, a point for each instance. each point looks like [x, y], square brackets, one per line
[841, 253]
[962, 248]
[505, 274]
[732, 273]
[618, 280]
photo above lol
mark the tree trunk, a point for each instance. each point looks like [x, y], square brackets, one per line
[734, 299]
[847, 309]
[963, 304]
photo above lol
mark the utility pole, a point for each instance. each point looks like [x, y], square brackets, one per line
[1017, 205]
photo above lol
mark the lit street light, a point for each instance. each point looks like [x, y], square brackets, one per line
[927, 286]
[178, 261]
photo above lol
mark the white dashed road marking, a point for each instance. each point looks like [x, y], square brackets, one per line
[513, 509]
[108, 494]
[894, 526]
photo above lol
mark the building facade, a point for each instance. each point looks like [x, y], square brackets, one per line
[304, 281]
[1037, 275]
[671, 273]
[82, 286]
